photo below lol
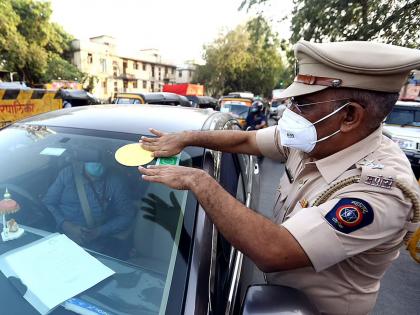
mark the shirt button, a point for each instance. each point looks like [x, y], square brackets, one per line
[301, 181]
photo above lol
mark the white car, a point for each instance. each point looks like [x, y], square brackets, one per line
[276, 109]
[403, 126]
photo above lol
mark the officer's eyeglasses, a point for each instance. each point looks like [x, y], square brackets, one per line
[294, 104]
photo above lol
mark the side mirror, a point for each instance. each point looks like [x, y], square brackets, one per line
[276, 299]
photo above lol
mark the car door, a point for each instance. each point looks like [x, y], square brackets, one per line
[238, 174]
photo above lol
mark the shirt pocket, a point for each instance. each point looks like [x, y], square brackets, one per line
[281, 195]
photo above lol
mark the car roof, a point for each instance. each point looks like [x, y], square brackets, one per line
[408, 104]
[126, 118]
[156, 97]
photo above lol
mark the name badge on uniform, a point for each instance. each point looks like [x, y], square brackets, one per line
[379, 181]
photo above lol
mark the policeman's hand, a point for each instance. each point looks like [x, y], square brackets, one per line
[89, 234]
[165, 144]
[176, 177]
[160, 212]
[73, 231]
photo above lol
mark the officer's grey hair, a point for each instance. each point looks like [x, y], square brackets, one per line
[378, 104]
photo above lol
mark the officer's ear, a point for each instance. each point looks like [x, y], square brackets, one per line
[354, 116]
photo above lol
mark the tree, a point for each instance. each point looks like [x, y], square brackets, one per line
[30, 44]
[245, 59]
[390, 21]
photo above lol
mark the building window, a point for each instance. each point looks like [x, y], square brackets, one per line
[104, 87]
[125, 65]
[172, 70]
[135, 65]
[153, 71]
[144, 67]
[180, 74]
[103, 65]
[152, 86]
[189, 73]
[115, 86]
[125, 85]
[115, 68]
[144, 84]
[166, 70]
[90, 58]
[135, 84]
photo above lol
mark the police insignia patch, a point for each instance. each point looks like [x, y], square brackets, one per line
[350, 214]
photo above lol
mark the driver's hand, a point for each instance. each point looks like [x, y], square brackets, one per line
[164, 144]
[73, 231]
[89, 235]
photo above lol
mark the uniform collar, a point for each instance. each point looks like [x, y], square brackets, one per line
[334, 165]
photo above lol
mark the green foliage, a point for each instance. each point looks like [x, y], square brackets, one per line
[394, 22]
[245, 59]
[31, 45]
[58, 68]
[391, 21]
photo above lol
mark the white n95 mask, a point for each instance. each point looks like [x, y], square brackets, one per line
[299, 133]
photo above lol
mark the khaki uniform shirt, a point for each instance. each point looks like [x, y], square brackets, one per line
[352, 238]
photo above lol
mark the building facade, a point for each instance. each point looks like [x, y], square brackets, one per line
[117, 71]
[185, 73]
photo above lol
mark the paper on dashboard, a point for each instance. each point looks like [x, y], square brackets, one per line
[53, 269]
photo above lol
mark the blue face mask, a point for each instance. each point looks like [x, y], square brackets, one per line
[94, 169]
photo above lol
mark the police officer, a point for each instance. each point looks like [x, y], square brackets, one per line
[256, 119]
[345, 201]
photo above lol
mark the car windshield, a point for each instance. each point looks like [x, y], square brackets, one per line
[237, 110]
[122, 100]
[404, 116]
[132, 226]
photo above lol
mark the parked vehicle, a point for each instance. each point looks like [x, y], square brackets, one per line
[176, 262]
[277, 108]
[185, 89]
[237, 106]
[203, 101]
[403, 126]
[161, 98]
[74, 98]
[20, 102]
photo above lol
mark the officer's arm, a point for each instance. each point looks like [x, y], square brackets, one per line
[233, 141]
[271, 247]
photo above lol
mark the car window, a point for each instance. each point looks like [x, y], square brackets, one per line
[237, 110]
[404, 116]
[127, 101]
[136, 226]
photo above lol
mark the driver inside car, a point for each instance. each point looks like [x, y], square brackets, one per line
[91, 206]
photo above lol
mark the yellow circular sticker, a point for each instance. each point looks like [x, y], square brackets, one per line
[133, 155]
